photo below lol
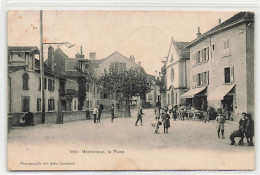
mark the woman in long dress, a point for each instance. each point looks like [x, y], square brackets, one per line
[166, 121]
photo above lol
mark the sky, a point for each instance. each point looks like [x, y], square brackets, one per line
[144, 34]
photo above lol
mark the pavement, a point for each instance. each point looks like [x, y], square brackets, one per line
[188, 142]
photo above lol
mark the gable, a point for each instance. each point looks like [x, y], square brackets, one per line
[173, 55]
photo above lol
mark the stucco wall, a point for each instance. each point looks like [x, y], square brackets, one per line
[17, 91]
[239, 59]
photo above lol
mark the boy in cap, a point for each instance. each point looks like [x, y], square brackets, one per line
[221, 120]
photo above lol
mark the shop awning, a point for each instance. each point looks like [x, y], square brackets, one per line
[192, 92]
[220, 92]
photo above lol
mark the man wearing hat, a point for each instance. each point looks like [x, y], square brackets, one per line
[221, 120]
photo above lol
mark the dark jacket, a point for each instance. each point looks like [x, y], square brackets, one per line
[249, 131]
[166, 120]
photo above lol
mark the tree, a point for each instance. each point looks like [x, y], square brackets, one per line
[132, 82]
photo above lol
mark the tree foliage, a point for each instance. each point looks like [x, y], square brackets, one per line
[131, 82]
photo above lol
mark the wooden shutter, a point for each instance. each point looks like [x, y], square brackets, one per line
[231, 74]
[207, 77]
[207, 53]
[201, 78]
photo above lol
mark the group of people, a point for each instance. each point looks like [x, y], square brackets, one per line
[97, 111]
[161, 119]
[246, 128]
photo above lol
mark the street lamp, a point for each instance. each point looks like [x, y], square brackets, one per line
[57, 44]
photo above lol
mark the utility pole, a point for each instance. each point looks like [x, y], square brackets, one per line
[42, 72]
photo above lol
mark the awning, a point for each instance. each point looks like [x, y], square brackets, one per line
[220, 92]
[192, 92]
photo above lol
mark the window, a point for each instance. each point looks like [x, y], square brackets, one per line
[150, 97]
[118, 66]
[229, 74]
[39, 84]
[226, 47]
[213, 47]
[25, 104]
[172, 74]
[105, 96]
[87, 88]
[51, 85]
[51, 105]
[87, 104]
[25, 81]
[205, 78]
[198, 79]
[45, 83]
[38, 104]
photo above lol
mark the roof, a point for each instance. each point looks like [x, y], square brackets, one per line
[184, 52]
[15, 68]
[236, 19]
[117, 54]
[23, 48]
[180, 48]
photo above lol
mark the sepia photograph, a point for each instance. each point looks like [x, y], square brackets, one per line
[130, 90]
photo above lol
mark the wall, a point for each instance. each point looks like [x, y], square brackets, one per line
[68, 116]
[17, 91]
[238, 58]
[250, 68]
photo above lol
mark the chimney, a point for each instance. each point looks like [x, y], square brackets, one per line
[133, 58]
[219, 20]
[198, 34]
[80, 55]
[92, 55]
[139, 63]
[51, 57]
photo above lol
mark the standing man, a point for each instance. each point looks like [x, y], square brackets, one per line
[112, 113]
[221, 120]
[139, 116]
[249, 130]
[95, 112]
[99, 113]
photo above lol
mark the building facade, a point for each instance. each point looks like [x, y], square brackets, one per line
[222, 66]
[24, 92]
[177, 72]
[117, 61]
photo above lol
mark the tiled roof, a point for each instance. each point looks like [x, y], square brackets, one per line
[23, 48]
[184, 52]
[240, 17]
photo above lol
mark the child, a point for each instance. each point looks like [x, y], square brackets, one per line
[221, 120]
[156, 124]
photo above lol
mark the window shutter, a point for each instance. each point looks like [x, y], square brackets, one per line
[232, 74]
[224, 76]
[207, 53]
[39, 83]
[208, 78]
[201, 78]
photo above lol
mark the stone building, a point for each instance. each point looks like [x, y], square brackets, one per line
[222, 66]
[177, 72]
